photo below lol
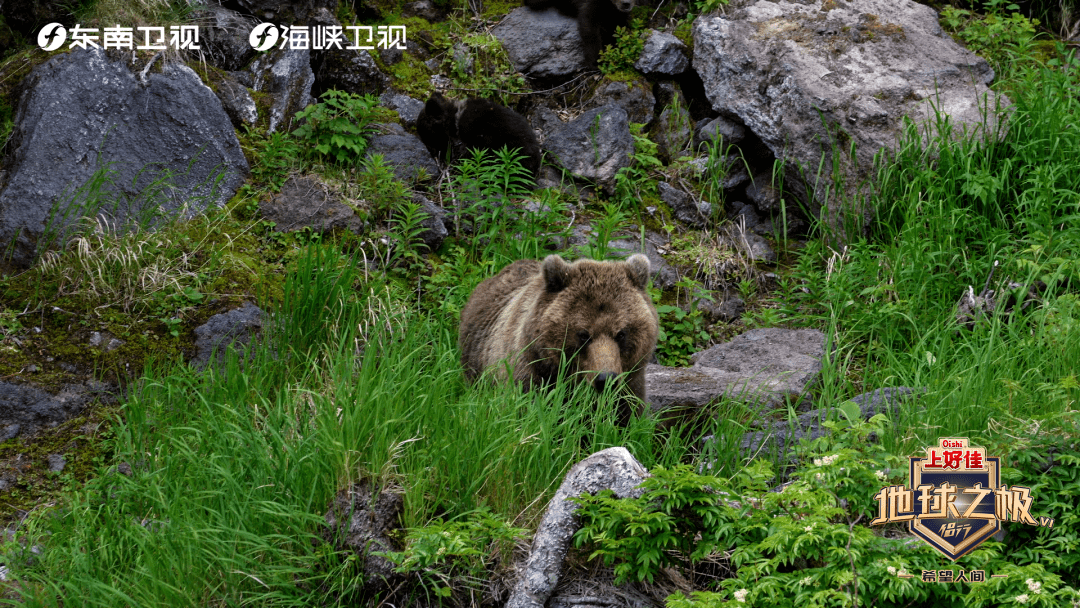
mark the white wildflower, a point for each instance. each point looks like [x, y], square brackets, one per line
[892, 570]
[740, 595]
[1034, 585]
[809, 528]
[880, 474]
[817, 476]
[806, 581]
[817, 462]
[1021, 599]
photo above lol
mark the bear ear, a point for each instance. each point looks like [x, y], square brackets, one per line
[637, 268]
[434, 105]
[556, 273]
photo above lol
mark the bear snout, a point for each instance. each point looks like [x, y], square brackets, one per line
[601, 380]
[624, 5]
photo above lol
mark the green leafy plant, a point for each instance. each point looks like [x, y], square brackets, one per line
[456, 555]
[995, 34]
[680, 334]
[275, 156]
[621, 56]
[637, 535]
[338, 126]
[635, 182]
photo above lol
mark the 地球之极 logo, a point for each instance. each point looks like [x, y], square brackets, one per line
[955, 500]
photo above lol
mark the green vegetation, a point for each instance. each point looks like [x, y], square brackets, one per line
[617, 61]
[358, 381]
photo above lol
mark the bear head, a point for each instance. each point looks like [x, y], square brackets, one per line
[624, 6]
[437, 125]
[596, 316]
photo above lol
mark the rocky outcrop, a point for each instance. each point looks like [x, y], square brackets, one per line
[811, 77]
[160, 139]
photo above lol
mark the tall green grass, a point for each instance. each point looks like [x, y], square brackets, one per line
[946, 212]
[234, 468]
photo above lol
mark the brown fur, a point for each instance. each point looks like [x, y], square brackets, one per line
[596, 314]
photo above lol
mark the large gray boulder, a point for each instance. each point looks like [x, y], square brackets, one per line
[810, 76]
[594, 146]
[81, 112]
[305, 202]
[225, 33]
[543, 45]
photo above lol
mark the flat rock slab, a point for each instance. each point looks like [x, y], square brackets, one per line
[26, 409]
[764, 366]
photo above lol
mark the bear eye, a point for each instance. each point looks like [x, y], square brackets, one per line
[621, 336]
[583, 336]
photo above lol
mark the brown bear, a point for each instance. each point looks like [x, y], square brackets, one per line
[595, 315]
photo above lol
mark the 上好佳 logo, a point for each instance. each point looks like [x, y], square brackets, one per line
[955, 500]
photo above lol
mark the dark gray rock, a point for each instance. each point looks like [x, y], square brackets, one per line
[718, 130]
[663, 274]
[766, 366]
[402, 151]
[57, 462]
[695, 215]
[81, 110]
[407, 108]
[594, 146]
[762, 193]
[750, 245]
[886, 400]
[306, 203]
[434, 222]
[543, 45]
[615, 469]
[672, 130]
[290, 12]
[224, 37]
[729, 170]
[635, 98]
[797, 74]
[423, 9]
[25, 409]
[235, 330]
[722, 309]
[349, 71]
[236, 99]
[286, 75]
[361, 522]
[663, 54]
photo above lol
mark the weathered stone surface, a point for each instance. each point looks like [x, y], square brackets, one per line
[749, 244]
[663, 274]
[687, 211]
[433, 224]
[402, 151]
[766, 366]
[593, 146]
[229, 330]
[26, 409]
[673, 130]
[224, 37]
[286, 75]
[720, 129]
[663, 54]
[762, 193]
[543, 45]
[361, 522]
[634, 97]
[407, 108]
[722, 309]
[236, 99]
[781, 436]
[81, 110]
[305, 202]
[349, 71]
[613, 468]
[798, 73]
